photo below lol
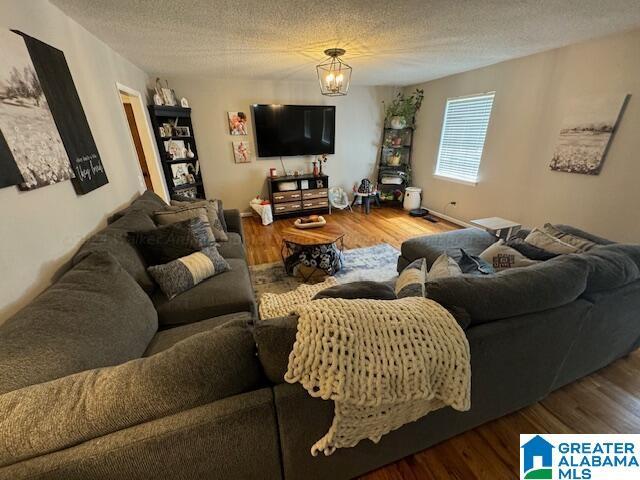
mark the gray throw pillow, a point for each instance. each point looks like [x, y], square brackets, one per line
[582, 244]
[354, 290]
[163, 244]
[185, 273]
[180, 214]
[182, 201]
[411, 281]
[474, 265]
[530, 251]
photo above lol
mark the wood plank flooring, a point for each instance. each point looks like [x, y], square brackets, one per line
[382, 225]
[607, 401]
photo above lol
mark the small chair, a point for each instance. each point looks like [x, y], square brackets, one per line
[339, 199]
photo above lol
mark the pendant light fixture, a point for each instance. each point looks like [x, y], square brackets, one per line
[333, 74]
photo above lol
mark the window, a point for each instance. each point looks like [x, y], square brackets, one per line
[463, 133]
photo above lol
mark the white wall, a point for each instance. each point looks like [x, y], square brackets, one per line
[531, 96]
[359, 118]
[41, 229]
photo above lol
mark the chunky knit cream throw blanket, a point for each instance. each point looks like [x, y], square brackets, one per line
[383, 363]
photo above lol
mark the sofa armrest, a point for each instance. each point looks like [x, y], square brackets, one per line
[232, 438]
[234, 222]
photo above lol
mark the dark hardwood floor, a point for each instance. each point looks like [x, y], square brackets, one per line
[607, 401]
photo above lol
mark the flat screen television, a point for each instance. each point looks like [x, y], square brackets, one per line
[287, 130]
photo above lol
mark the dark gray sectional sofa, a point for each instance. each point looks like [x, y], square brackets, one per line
[101, 378]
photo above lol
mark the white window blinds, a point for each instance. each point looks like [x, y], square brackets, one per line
[463, 133]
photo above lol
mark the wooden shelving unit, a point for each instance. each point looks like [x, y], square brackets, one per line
[180, 117]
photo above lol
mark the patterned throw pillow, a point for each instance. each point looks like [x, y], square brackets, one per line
[182, 201]
[211, 208]
[582, 244]
[547, 242]
[501, 257]
[474, 265]
[166, 243]
[185, 273]
[179, 214]
[443, 267]
[411, 281]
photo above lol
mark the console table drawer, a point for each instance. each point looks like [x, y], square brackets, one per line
[280, 197]
[286, 207]
[315, 203]
[317, 193]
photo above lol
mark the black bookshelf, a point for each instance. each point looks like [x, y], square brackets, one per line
[386, 168]
[178, 117]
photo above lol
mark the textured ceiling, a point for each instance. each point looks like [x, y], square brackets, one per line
[388, 42]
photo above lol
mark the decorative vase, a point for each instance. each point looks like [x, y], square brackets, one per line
[190, 153]
[398, 122]
[315, 169]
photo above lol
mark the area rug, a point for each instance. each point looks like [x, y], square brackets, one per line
[376, 263]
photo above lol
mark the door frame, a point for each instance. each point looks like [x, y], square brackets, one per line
[152, 155]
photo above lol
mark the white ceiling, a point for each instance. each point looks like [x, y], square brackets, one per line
[388, 42]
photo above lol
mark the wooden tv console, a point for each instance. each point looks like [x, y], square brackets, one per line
[299, 200]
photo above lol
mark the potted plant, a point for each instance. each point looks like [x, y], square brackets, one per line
[401, 112]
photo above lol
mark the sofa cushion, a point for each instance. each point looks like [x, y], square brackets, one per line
[430, 247]
[229, 292]
[163, 244]
[516, 291]
[612, 266]
[275, 338]
[95, 315]
[444, 266]
[147, 203]
[184, 273]
[353, 290]
[233, 248]
[200, 369]
[582, 244]
[543, 240]
[114, 240]
[582, 234]
[167, 338]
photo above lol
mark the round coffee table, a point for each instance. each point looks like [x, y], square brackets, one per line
[317, 249]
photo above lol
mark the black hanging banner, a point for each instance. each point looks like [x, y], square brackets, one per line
[68, 114]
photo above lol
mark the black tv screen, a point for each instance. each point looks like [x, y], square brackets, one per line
[286, 130]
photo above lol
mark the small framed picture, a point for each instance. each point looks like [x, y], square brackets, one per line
[180, 174]
[184, 103]
[237, 123]
[169, 97]
[175, 148]
[183, 131]
[241, 153]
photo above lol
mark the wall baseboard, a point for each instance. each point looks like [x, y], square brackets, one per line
[457, 221]
[246, 214]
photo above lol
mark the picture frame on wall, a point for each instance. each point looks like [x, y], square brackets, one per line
[241, 152]
[238, 122]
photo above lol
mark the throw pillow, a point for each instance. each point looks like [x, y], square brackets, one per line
[474, 265]
[547, 242]
[530, 251]
[582, 244]
[214, 214]
[501, 257]
[411, 281]
[443, 266]
[166, 243]
[353, 290]
[179, 214]
[185, 273]
[181, 200]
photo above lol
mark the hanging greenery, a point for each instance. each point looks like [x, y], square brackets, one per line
[405, 106]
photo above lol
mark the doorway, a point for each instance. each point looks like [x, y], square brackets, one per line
[143, 142]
